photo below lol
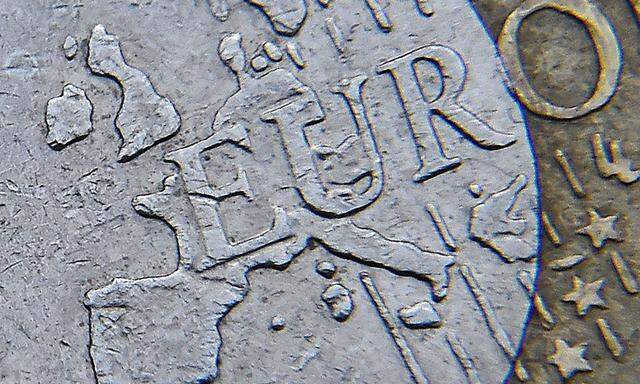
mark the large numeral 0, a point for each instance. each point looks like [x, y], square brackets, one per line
[604, 38]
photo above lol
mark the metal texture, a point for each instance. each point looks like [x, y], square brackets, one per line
[588, 160]
[315, 191]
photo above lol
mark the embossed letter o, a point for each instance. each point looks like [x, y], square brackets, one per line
[604, 38]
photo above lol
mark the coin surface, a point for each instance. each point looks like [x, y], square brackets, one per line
[583, 329]
[307, 191]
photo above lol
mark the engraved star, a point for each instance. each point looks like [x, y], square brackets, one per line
[569, 360]
[585, 295]
[601, 229]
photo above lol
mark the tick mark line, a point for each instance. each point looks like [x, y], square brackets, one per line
[380, 15]
[499, 334]
[551, 230]
[443, 230]
[570, 173]
[624, 273]
[463, 358]
[401, 343]
[425, 7]
[610, 338]
[526, 281]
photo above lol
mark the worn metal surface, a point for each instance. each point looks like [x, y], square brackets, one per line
[316, 191]
[590, 333]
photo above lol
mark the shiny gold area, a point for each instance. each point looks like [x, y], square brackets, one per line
[574, 66]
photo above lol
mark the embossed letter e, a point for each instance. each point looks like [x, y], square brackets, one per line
[431, 157]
